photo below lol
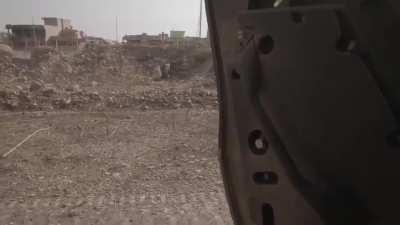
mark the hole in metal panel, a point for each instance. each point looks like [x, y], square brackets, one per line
[266, 44]
[297, 17]
[235, 74]
[268, 214]
[257, 142]
[267, 177]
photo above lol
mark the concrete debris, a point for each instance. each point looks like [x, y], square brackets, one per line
[43, 54]
[100, 77]
[6, 65]
[35, 86]
[49, 90]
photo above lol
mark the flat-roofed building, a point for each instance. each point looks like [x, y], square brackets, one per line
[26, 35]
[54, 26]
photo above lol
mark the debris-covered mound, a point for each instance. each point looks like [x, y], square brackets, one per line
[100, 77]
[182, 61]
[41, 96]
[97, 57]
[43, 55]
[6, 54]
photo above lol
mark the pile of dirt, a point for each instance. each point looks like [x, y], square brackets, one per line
[41, 96]
[181, 60]
[44, 55]
[104, 77]
[5, 52]
[43, 59]
[6, 65]
[94, 57]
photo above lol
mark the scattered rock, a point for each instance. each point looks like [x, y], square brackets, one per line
[6, 53]
[94, 96]
[35, 86]
[49, 90]
[42, 54]
[76, 88]
[53, 80]
[69, 89]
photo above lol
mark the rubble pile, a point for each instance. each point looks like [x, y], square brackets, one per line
[180, 60]
[47, 97]
[6, 65]
[43, 55]
[99, 77]
[163, 99]
[44, 58]
[95, 57]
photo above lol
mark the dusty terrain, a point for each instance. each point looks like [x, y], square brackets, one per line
[99, 78]
[123, 146]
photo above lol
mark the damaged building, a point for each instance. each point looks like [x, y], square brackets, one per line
[54, 26]
[54, 31]
[145, 39]
[24, 36]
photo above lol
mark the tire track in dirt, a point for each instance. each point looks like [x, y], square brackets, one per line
[189, 208]
[143, 193]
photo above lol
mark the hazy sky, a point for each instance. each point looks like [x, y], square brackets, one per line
[98, 17]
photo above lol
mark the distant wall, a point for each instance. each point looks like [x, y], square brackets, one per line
[54, 26]
[51, 31]
[175, 34]
[65, 24]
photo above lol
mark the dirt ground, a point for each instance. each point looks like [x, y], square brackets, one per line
[132, 167]
[122, 145]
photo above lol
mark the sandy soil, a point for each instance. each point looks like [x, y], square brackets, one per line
[126, 167]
